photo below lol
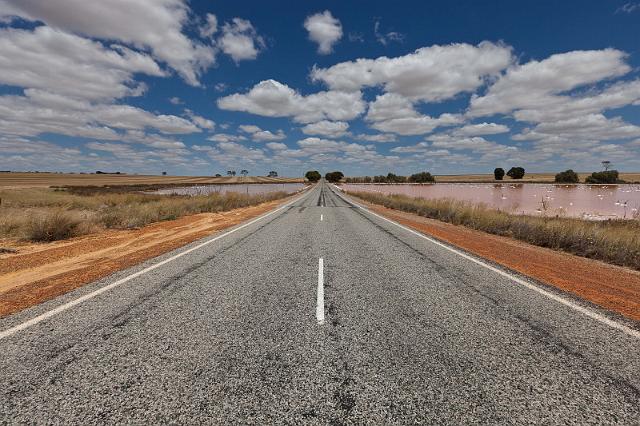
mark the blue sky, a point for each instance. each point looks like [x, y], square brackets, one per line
[201, 87]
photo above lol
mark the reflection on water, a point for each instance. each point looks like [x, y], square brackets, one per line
[584, 201]
[249, 188]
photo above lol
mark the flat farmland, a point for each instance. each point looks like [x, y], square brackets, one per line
[39, 180]
[529, 177]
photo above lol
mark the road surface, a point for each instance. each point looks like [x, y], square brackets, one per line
[319, 313]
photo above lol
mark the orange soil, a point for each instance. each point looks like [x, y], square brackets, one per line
[39, 272]
[614, 288]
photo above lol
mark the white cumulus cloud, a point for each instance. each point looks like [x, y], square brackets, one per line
[325, 30]
[271, 98]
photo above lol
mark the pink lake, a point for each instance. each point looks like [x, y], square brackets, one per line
[596, 202]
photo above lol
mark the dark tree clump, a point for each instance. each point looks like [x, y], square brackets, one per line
[516, 173]
[568, 176]
[498, 173]
[334, 176]
[313, 175]
[422, 177]
[609, 176]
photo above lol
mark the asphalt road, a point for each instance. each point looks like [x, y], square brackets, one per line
[231, 333]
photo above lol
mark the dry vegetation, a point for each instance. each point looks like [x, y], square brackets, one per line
[41, 214]
[616, 242]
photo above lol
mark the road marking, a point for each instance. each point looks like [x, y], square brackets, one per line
[588, 312]
[13, 330]
[321, 217]
[320, 295]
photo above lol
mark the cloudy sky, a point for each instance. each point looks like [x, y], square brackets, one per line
[367, 87]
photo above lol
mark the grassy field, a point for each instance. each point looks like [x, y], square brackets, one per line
[43, 214]
[43, 180]
[529, 177]
[616, 242]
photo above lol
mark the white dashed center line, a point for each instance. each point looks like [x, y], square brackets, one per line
[320, 298]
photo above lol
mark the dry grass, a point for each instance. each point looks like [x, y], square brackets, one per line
[616, 241]
[40, 214]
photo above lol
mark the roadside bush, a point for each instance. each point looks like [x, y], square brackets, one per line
[609, 176]
[516, 173]
[58, 225]
[568, 176]
[498, 173]
[422, 177]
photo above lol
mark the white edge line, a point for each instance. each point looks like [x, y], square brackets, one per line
[33, 321]
[320, 296]
[588, 312]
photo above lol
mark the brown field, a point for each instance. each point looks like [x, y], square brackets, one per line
[35, 180]
[529, 177]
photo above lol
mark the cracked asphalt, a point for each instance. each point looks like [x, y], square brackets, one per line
[228, 335]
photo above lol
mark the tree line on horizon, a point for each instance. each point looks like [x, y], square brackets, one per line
[516, 173]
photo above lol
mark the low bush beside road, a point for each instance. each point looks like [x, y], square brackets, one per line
[614, 241]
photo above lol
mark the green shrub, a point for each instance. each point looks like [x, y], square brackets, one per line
[334, 176]
[568, 176]
[313, 175]
[498, 173]
[422, 177]
[609, 176]
[516, 173]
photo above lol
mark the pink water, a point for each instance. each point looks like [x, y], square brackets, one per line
[583, 201]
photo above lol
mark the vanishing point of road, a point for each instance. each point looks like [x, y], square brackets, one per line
[320, 312]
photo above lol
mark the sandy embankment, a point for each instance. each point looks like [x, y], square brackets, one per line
[39, 272]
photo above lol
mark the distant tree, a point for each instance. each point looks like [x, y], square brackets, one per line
[164, 173]
[244, 172]
[608, 176]
[334, 176]
[568, 176]
[273, 173]
[498, 173]
[422, 177]
[380, 179]
[230, 173]
[218, 175]
[313, 175]
[606, 165]
[366, 179]
[516, 173]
